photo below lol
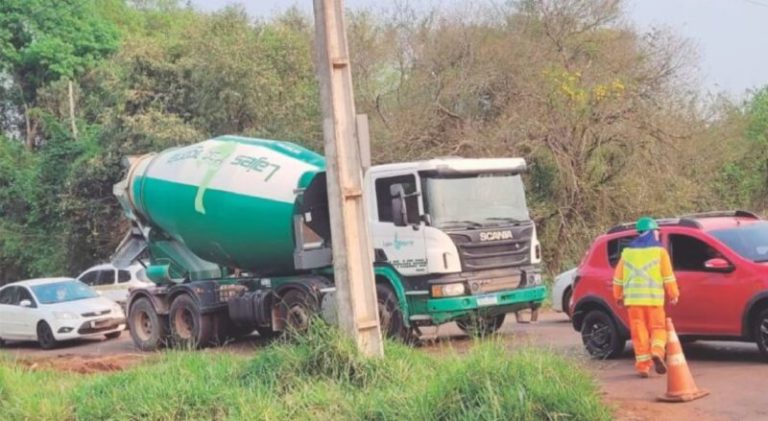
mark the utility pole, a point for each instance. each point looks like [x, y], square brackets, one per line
[352, 249]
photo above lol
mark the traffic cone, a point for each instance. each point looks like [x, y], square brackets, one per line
[680, 385]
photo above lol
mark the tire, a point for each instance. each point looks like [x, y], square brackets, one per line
[148, 331]
[114, 335]
[760, 332]
[189, 327]
[601, 336]
[566, 301]
[390, 314]
[297, 308]
[481, 325]
[2, 342]
[45, 336]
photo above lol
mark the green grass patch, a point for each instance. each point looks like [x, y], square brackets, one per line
[316, 376]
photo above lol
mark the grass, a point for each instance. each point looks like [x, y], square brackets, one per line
[316, 376]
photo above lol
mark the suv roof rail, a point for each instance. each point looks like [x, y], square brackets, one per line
[721, 214]
[683, 222]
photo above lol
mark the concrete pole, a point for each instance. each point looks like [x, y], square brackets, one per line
[352, 247]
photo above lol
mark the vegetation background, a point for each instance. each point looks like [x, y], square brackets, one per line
[610, 118]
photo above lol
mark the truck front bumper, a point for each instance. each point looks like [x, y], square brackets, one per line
[444, 310]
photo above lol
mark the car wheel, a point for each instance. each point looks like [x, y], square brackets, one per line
[2, 342]
[148, 330]
[113, 335]
[189, 327]
[566, 301]
[761, 333]
[601, 336]
[481, 325]
[45, 336]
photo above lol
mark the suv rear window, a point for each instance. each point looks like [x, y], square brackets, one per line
[616, 246]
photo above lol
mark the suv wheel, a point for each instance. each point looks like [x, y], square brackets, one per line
[566, 301]
[761, 332]
[601, 336]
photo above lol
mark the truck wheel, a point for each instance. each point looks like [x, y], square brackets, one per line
[297, 309]
[481, 325]
[390, 314]
[760, 333]
[601, 336]
[45, 336]
[189, 327]
[148, 330]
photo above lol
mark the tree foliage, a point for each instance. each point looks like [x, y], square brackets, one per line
[607, 116]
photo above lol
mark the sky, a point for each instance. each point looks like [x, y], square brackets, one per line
[730, 36]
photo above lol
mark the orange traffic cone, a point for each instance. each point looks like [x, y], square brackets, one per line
[680, 385]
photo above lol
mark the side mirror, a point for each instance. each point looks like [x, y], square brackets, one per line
[718, 264]
[25, 303]
[399, 209]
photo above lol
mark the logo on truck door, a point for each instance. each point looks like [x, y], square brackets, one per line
[496, 235]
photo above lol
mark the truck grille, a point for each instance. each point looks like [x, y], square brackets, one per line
[492, 255]
[483, 286]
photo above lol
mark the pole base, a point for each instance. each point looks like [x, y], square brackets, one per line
[684, 397]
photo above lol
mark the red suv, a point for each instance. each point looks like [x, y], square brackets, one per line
[720, 260]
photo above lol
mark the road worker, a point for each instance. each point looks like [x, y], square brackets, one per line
[642, 279]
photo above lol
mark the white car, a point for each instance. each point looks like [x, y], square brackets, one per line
[115, 283]
[562, 289]
[56, 309]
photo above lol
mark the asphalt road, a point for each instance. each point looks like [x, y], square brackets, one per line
[734, 373]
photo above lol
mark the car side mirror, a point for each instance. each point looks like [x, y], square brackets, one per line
[25, 303]
[399, 209]
[718, 264]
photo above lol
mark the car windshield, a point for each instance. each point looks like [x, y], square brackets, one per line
[63, 291]
[477, 200]
[750, 241]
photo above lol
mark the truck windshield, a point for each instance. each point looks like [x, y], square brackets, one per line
[750, 241]
[475, 200]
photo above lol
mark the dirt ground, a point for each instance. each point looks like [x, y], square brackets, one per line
[733, 372]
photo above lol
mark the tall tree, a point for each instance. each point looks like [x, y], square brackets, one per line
[42, 41]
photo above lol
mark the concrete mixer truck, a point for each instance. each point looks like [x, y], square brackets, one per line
[237, 237]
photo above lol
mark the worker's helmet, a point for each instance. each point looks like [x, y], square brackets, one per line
[645, 224]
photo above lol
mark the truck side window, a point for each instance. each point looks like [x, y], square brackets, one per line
[616, 246]
[384, 200]
[689, 253]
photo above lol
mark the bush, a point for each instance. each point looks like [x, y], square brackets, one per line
[316, 376]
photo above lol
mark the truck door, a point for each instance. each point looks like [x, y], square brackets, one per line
[400, 244]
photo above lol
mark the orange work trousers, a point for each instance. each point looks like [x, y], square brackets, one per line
[649, 334]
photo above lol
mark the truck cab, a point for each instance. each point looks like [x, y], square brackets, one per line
[458, 234]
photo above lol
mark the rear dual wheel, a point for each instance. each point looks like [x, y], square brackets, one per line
[189, 327]
[148, 330]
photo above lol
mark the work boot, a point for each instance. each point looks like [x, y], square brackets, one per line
[659, 364]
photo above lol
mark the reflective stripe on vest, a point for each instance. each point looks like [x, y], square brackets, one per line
[643, 283]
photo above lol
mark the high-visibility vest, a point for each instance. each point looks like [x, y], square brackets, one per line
[643, 282]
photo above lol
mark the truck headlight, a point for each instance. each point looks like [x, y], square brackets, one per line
[534, 279]
[64, 315]
[448, 290]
